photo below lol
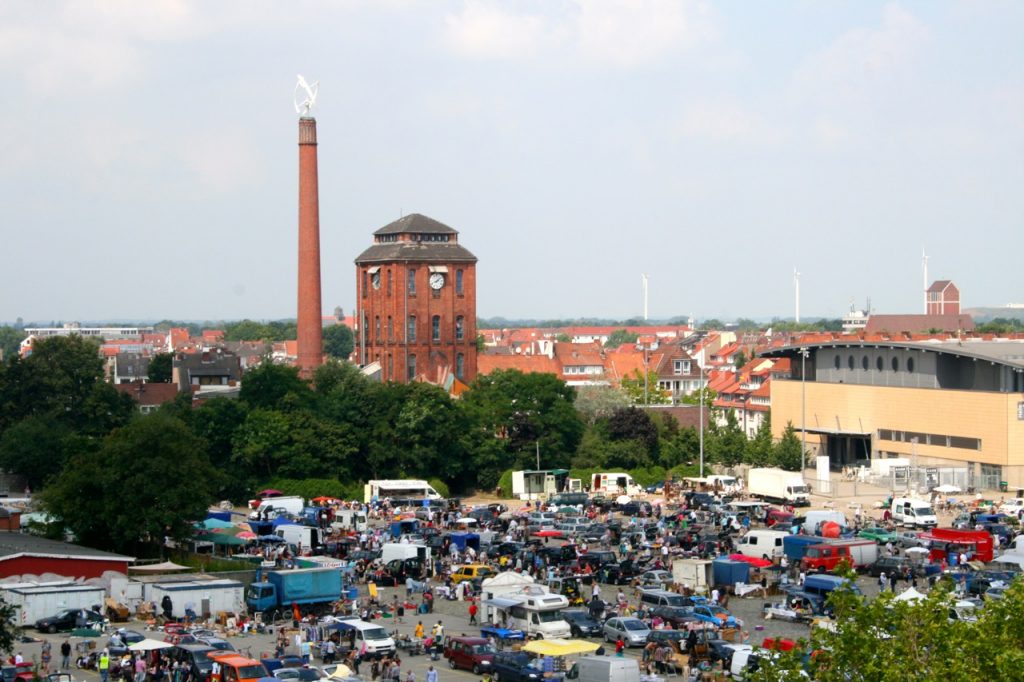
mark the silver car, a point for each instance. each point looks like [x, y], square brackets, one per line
[633, 631]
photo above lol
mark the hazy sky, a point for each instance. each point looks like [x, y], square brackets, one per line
[148, 152]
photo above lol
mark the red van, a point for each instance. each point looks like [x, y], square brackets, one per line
[471, 653]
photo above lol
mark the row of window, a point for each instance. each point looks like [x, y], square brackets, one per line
[410, 368]
[940, 440]
[410, 328]
[373, 280]
[851, 363]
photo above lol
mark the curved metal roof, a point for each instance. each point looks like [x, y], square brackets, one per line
[1009, 353]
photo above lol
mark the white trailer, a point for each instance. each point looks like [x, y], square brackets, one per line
[207, 597]
[411, 489]
[778, 485]
[35, 601]
[697, 574]
[292, 504]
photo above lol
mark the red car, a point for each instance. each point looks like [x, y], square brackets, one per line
[471, 653]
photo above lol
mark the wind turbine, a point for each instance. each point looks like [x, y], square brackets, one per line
[796, 287]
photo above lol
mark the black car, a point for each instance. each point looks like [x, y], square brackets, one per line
[367, 555]
[888, 564]
[506, 549]
[662, 636]
[515, 666]
[678, 616]
[597, 559]
[558, 555]
[581, 623]
[196, 658]
[69, 619]
[124, 638]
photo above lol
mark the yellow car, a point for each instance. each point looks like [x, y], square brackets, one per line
[471, 571]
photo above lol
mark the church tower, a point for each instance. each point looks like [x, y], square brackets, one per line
[416, 303]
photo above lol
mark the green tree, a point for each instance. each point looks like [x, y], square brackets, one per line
[216, 421]
[275, 386]
[682, 448]
[599, 402]
[760, 449]
[640, 392]
[725, 444]
[10, 341]
[9, 633]
[787, 450]
[156, 469]
[37, 447]
[160, 368]
[338, 341]
[521, 411]
[619, 337]
[634, 424]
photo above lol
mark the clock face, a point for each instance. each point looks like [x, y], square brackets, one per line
[375, 280]
[436, 280]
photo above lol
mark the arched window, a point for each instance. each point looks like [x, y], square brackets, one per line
[376, 324]
[389, 281]
[411, 367]
[849, 362]
[412, 281]
[435, 328]
[410, 332]
[864, 363]
[895, 364]
[910, 365]
[878, 363]
[459, 330]
[460, 365]
[837, 362]
[458, 282]
[391, 329]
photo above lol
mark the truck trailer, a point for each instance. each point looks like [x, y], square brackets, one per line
[311, 589]
[207, 597]
[778, 485]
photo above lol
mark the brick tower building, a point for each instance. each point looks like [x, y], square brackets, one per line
[416, 302]
[309, 323]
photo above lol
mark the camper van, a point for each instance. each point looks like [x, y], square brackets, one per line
[362, 636]
[913, 513]
[534, 610]
[762, 544]
[614, 484]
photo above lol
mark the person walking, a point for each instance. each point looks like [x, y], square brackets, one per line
[44, 657]
[431, 674]
[65, 655]
[103, 665]
[472, 612]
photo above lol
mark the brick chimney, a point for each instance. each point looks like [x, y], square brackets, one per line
[310, 328]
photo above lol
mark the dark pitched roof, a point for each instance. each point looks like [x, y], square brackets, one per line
[913, 324]
[18, 544]
[415, 222]
[436, 252]
[939, 285]
[149, 393]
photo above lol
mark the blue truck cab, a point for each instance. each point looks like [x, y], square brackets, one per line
[309, 588]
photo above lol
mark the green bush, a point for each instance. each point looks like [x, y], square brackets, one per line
[505, 483]
[440, 486]
[309, 488]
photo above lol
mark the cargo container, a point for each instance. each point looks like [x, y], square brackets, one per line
[207, 597]
[35, 601]
[729, 572]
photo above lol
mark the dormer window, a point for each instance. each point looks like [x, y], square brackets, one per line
[680, 366]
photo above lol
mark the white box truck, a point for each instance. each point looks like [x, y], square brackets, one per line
[292, 504]
[778, 485]
[207, 597]
[697, 574]
[411, 489]
[42, 601]
[604, 669]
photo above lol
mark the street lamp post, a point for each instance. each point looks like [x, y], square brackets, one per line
[804, 352]
[700, 415]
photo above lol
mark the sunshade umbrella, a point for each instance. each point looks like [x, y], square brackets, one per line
[466, 519]
[270, 538]
[752, 560]
[916, 550]
[269, 492]
[909, 595]
[150, 645]
[622, 499]
[341, 671]
[560, 647]
[947, 488]
[246, 535]
[324, 498]
[214, 524]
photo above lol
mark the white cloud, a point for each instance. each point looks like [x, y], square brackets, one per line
[626, 33]
[486, 30]
[863, 61]
[634, 32]
[721, 121]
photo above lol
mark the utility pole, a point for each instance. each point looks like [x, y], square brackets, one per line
[700, 416]
[538, 455]
[796, 286]
[804, 352]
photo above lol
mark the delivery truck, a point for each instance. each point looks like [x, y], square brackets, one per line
[311, 589]
[271, 506]
[34, 602]
[777, 485]
[827, 556]
[204, 597]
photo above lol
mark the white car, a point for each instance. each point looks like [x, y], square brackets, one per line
[655, 578]
[633, 631]
[1012, 506]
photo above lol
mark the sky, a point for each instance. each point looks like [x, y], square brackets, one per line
[148, 161]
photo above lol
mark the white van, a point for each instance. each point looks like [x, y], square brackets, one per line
[727, 484]
[913, 513]
[604, 669]
[762, 544]
[614, 484]
[376, 639]
[292, 504]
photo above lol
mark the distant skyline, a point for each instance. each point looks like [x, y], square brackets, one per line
[149, 168]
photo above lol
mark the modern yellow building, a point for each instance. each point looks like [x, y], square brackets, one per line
[938, 403]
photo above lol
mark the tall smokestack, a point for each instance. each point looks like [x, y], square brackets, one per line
[310, 328]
